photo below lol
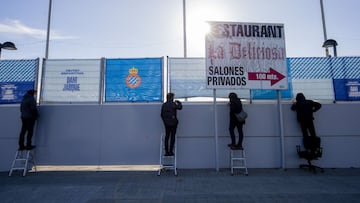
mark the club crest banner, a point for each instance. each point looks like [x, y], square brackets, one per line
[133, 80]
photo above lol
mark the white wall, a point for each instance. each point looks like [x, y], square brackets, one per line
[130, 134]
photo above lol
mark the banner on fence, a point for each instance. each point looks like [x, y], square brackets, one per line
[133, 80]
[16, 78]
[71, 81]
[347, 89]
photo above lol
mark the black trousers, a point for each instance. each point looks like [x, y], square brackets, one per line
[170, 132]
[307, 127]
[27, 127]
[239, 127]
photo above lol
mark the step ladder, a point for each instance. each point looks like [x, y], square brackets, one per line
[167, 162]
[238, 160]
[24, 160]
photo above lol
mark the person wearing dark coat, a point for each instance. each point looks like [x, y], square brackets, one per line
[235, 108]
[305, 109]
[169, 117]
[29, 114]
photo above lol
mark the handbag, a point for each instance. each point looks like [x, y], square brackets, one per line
[241, 116]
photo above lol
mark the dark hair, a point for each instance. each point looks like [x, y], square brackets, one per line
[300, 97]
[233, 95]
[170, 96]
[32, 91]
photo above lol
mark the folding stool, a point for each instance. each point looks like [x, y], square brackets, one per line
[22, 160]
[167, 162]
[238, 160]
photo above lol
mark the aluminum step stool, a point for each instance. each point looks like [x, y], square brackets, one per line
[238, 160]
[22, 160]
[167, 162]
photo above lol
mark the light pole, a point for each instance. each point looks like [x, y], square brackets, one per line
[324, 26]
[184, 27]
[8, 46]
[48, 31]
[331, 43]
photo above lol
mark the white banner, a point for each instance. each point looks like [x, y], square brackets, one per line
[246, 56]
[71, 81]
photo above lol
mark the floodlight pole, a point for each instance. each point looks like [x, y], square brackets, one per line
[184, 27]
[324, 26]
[48, 31]
[184, 30]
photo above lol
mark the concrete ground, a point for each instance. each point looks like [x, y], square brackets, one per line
[203, 185]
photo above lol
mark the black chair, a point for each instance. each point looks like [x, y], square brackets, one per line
[312, 151]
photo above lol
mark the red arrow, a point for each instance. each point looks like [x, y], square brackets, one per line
[273, 76]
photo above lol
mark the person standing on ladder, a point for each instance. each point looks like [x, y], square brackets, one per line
[29, 114]
[168, 115]
[235, 107]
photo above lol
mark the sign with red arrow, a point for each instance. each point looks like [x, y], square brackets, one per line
[242, 55]
[273, 76]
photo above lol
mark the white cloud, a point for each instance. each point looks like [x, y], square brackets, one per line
[15, 27]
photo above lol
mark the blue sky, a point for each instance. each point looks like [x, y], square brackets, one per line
[154, 28]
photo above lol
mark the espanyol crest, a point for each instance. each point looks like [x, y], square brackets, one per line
[133, 80]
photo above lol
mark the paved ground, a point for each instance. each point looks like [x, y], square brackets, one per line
[262, 185]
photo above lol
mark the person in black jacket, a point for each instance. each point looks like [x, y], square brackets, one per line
[29, 114]
[168, 115]
[304, 109]
[235, 108]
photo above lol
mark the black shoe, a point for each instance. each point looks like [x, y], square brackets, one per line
[30, 147]
[240, 146]
[22, 148]
[237, 147]
[171, 153]
[167, 154]
[231, 145]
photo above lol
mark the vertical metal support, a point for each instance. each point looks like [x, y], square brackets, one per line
[330, 65]
[101, 101]
[251, 95]
[167, 78]
[281, 126]
[41, 79]
[163, 93]
[102, 80]
[216, 132]
[37, 81]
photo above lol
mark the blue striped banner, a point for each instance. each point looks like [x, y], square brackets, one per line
[325, 67]
[16, 78]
